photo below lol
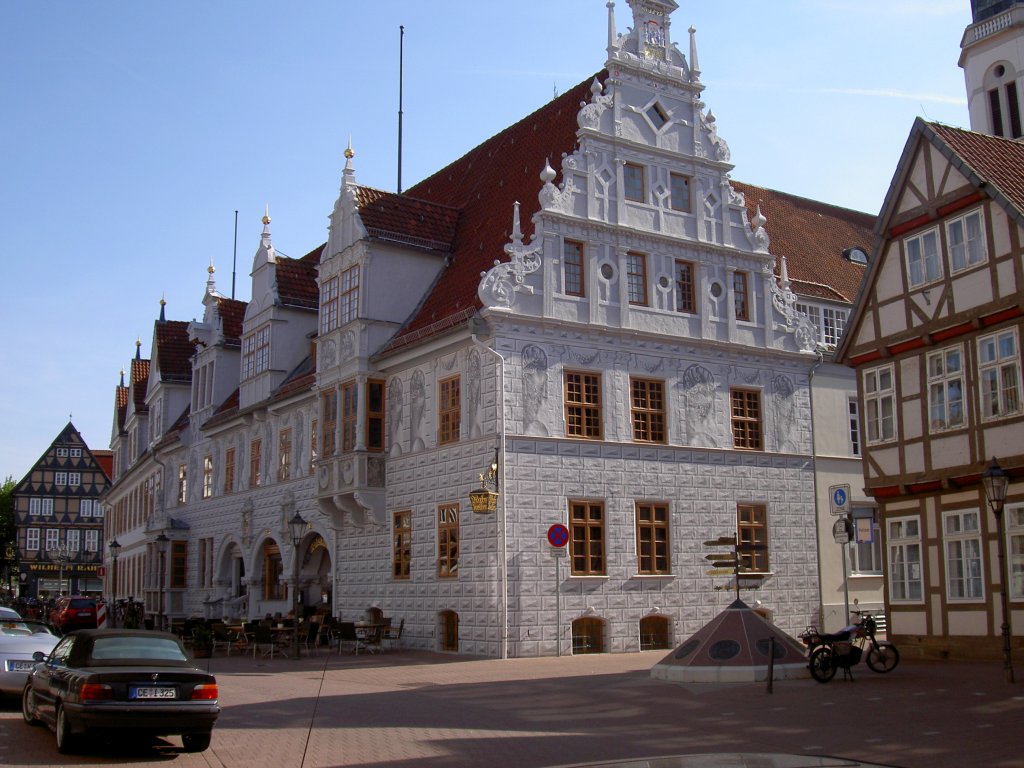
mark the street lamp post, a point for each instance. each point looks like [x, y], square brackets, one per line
[115, 550]
[297, 528]
[63, 555]
[161, 544]
[996, 485]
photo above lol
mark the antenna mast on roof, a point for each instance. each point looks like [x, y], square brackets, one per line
[401, 49]
[234, 257]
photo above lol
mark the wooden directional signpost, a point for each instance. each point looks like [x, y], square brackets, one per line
[729, 563]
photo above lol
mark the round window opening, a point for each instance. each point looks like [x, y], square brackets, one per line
[1000, 70]
[687, 648]
[716, 290]
[607, 271]
[664, 283]
[763, 645]
[724, 649]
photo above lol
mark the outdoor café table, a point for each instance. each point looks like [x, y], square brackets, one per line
[283, 639]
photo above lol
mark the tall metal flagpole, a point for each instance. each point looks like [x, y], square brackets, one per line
[401, 65]
[234, 257]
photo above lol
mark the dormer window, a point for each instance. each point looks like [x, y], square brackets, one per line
[256, 352]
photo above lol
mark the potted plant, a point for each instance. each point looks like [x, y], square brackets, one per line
[202, 641]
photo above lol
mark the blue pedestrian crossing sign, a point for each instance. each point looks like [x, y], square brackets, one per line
[839, 499]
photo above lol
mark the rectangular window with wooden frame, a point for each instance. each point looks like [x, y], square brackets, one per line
[586, 538]
[374, 415]
[679, 192]
[572, 268]
[329, 419]
[636, 278]
[746, 419]
[349, 297]
[284, 455]
[256, 352]
[945, 389]
[880, 404]
[255, 462]
[652, 539]
[686, 293]
[449, 410]
[329, 301]
[999, 374]
[179, 565]
[207, 476]
[647, 408]
[741, 296]
[752, 527]
[635, 187]
[448, 541]
[349, 415]
[229, 471]
[922, 255]
[583, 405]
[401, 552]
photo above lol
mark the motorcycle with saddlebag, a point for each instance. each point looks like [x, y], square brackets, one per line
[845, 649]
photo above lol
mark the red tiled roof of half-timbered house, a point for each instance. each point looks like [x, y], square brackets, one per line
[813, 236]
[174, 351]
[994, 160]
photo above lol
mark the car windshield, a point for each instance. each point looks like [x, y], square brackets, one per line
[22, 628]
[81, 603]
[152, 648]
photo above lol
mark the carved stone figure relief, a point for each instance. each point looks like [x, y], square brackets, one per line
[417, 405]
[396, 409]
[330, 353]
[535, 389]
[348, 346]
[474, 375]
[700, 393]
[784, 409]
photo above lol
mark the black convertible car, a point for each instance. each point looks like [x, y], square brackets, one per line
[98, 681]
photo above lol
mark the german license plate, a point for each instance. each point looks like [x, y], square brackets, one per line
[21, 666]
[138, 692]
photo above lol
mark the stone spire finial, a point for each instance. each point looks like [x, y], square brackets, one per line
[122, 377]
[612, 36]
[349, 176]
[138, 348]
[211, 286]
[694, 64]
[163, 303]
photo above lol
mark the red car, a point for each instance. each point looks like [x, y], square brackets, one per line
[73, 613]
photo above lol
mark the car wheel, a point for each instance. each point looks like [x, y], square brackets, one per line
[66, 741]
[196, 742]
[28, 706]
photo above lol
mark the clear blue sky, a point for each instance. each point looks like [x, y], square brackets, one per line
[133, 131]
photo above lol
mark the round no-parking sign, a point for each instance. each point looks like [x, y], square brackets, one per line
[558, 535]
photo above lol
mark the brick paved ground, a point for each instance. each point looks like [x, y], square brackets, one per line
[409, 708]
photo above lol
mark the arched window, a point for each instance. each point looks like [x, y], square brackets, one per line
[273, 589]
[1003, 101]
[654, 633]
[587, 635]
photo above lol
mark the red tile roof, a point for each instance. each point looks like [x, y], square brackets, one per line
[406, 220]
[120, 406]
[995, 160]
[174, 351]
[812, 236]
[484, 185]
[296, 281]
[232, 313]
[140, 383]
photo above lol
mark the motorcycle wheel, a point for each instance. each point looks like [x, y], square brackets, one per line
[884, 658]
[822, 664]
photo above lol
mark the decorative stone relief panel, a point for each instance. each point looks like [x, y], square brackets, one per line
[474, 381]
[535, 389]
[417, 409]
[700, 406]
[785, 413]
[396, 411]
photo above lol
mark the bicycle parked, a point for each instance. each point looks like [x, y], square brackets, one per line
[829, 652]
